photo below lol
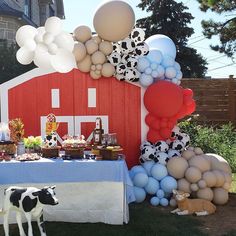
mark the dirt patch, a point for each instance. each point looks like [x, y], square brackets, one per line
[223, 221]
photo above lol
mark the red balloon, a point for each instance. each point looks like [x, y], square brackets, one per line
[166, 132]
[188, 92]
[149, 119]
[163, 99]
[191, 108]
[153, 136]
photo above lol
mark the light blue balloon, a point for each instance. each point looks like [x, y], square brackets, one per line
[179, 75]
[155, 56]
[160, 193]
[155, 74]
[143, 63]
[154, 66]
[136, 169]
[140, 180]
[168, 184]
[170, 72]
[146, 80]
[148, 71]
[177, 66]
[147, 165]
[159, 171]
[162, 43]
[161, 71]
[164, 202]
[139, 194]
[152, 186]
[167, 61]
[155, 201]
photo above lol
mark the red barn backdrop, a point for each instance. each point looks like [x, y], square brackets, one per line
[77, 100]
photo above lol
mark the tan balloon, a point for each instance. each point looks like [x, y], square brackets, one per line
[79, 51]
[188, 154]
[221, 196]
[93, 67]
[200, 162]
[193, 174]
[227, 186]
[194, 187]
[183, 185]
[97, 39]
[98, 72]
[198, 151]
[191, 148]
[177, 166]
[98, 58]
[114, 20]
[83, 33]
[210, 178]
[98, 66]
[85, 64]
[205, 193]
[91, 46]
[202, 183]
[106, 47]
[220, 178]
[108, 70]
[94, 75]
[173, 202]
[228, 177]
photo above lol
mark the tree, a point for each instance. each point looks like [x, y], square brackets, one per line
[170, 18]
[226, 30]
[9, 66]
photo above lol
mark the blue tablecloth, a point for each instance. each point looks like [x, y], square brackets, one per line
[60, 171]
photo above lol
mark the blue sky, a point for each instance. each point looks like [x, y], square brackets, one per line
[81, 12]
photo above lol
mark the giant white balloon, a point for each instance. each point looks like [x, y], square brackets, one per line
[25, 33]
[42, 60]
[162, 43]
[65, 40]
[63, 61]
[38, 38]
[24, 56]
[53, 25]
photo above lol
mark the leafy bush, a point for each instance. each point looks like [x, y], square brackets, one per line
[220, 140]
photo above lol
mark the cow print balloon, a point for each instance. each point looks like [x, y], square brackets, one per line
[120, 69]
[141, 49]
[127, 46]
[120, 77]
[132, 75]
[125, 58]
[116, 47]
[114, 58]
[137, 35]
[132, 62]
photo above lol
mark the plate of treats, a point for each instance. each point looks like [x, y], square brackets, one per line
[28, 157]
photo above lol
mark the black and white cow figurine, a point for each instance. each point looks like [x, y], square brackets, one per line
[29, 201]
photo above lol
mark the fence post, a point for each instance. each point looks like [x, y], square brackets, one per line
[231, 97]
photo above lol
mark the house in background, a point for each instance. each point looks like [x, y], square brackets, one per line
[15, 13]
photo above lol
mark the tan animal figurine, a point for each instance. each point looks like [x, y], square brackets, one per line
[200, 207]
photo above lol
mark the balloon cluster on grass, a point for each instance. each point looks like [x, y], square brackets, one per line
[126, 54]
[206, 176]
[163, 151]
[90, 53]
[153, 179]
[49, 47]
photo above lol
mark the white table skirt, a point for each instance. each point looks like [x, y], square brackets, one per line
[84, 202]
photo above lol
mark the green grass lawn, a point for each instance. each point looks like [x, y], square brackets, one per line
[233, 186]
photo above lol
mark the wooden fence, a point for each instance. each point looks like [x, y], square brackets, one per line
[215, 99]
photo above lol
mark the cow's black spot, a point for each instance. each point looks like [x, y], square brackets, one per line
[124, 45]
[50, 144]
[151, 156]
[180, 137]
[179, 147]
[42, 224]
[16, 196]
[46, 198]
[143, 151]
[135, 34]
[28, 204]
[115, 60]
[49, 137]
[55, 138]
[141, 160]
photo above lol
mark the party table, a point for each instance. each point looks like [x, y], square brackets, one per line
[87, 190]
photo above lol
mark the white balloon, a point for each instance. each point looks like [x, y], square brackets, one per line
[25, 33]
[42, 60]
[30, 45]
[175, 81]
[63, 61]
[177, 66]
[170, 72]
[146, 80]
[24, 56]
[52, 48]
[143, 64]
[53, 25]
[65, 40]
[148, 71]
[168, 61]
[162, 43]
[39, 36]
[41, 47]
[48, 38]
[154, 66]
[155, 74]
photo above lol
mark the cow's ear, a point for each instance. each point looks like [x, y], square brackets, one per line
[36, 193]
[53, 187]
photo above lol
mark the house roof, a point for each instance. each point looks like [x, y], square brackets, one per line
[5, 9]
